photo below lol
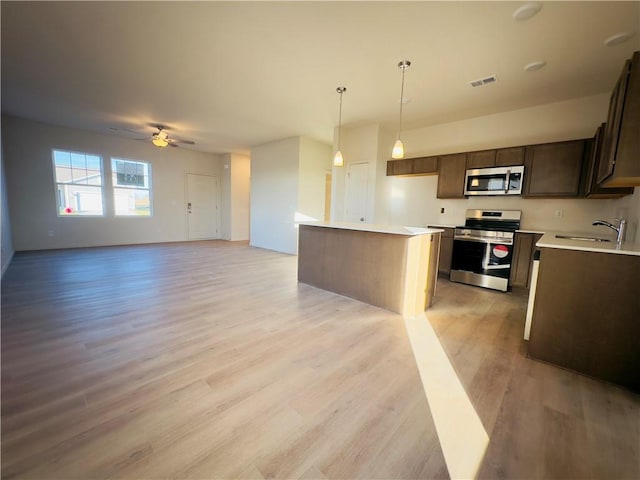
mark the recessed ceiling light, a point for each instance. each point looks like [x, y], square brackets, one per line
[527, 11]
[618, 38]
[533, 66]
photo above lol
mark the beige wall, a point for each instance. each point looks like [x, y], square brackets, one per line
[358, 145]
[315, 163]
[287, 185]
[240, 196]
[412, 201]
[236, 179]
[28, 161]
[274, 195]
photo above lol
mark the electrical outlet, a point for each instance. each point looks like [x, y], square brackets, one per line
[559, 213]
[51, 233]
[442, 210]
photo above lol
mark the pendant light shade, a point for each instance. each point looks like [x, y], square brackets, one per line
[338, 161]
[398, 147]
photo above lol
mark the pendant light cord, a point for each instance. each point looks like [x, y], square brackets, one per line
[341, 91]
[403, 67]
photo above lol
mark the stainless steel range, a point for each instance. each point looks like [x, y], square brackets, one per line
[483, 248]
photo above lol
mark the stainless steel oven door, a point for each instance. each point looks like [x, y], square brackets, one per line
[482, 262]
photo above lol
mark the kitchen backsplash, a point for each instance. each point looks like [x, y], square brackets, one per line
[417, 206]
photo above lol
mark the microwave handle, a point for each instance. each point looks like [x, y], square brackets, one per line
[506, 183]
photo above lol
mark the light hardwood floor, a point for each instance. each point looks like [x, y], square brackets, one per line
[209, 360]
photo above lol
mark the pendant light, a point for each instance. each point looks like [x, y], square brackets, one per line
[337, 159]
[398, 147]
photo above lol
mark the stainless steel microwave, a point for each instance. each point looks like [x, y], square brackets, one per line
[494, 181]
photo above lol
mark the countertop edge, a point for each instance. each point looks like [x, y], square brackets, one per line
[549, 240]
[366, 227]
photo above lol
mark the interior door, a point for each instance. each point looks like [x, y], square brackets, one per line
[202, 206]
[357, 188]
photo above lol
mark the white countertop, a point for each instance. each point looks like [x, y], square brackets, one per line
[443, 226]
[368, 227]
[549, 240]
[531, 231]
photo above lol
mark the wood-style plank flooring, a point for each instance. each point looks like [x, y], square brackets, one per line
[209, 360]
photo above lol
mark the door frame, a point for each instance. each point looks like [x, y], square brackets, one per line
[367, 192]
[186, 202]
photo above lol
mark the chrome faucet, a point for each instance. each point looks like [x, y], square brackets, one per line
[619, 229]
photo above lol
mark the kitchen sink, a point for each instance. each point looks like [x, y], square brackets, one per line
[588, 239]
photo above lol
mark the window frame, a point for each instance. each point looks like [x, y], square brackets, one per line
[56, 183]
[115, 187]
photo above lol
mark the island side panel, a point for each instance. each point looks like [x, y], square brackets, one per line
[587, 314]
[421, 273]
[367, 266]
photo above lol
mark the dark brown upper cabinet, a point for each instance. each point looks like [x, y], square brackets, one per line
[554, 170]
[505, 157]
[425, 165]
[400, 167]
[451, 171]
[594, 157]
[501, 157]
[483, 159]
[413, 166]
[620, 163]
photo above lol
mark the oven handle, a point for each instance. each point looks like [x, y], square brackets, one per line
[483, 240]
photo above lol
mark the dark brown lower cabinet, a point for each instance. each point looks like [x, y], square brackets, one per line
[522, 260]
[586, 314]
[446, 250]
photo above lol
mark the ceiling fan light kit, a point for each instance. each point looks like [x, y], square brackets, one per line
[161, 138]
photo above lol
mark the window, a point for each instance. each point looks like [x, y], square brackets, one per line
[78, 179]
[131, 187]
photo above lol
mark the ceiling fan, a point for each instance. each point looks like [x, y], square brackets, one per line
[161, 138]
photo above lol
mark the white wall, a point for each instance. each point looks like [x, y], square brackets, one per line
[7, 242]
[29, 172]
[412, 201]
[315, 162]
[274, 195]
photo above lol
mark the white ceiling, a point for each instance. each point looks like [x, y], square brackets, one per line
[232, 75]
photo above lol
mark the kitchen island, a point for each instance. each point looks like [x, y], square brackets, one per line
[586, 314]
[391, 267]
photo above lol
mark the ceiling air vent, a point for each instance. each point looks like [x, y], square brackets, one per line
[483, 81]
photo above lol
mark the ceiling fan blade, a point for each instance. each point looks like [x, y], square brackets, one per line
[172, 144]
[126, 130]
[186, 142]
